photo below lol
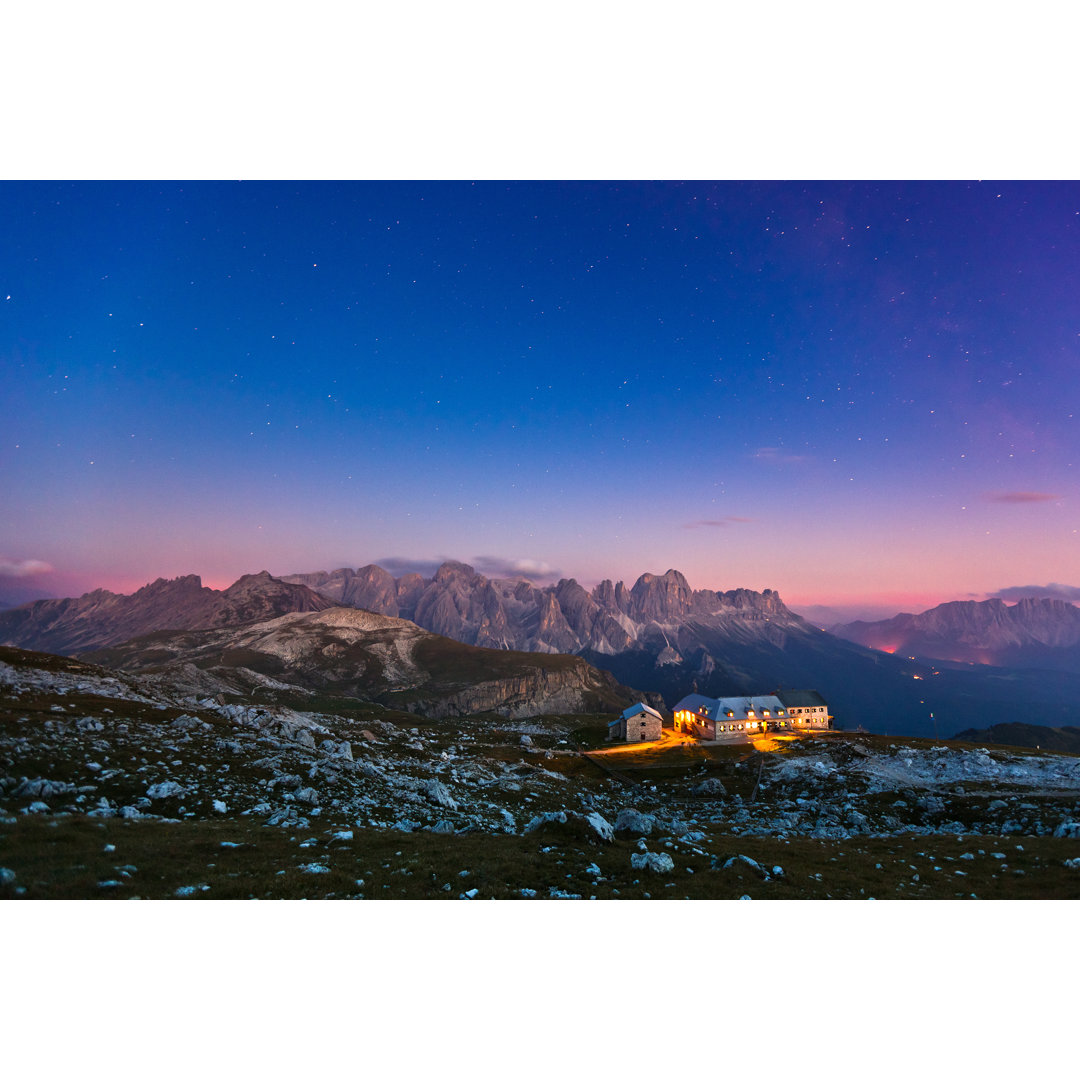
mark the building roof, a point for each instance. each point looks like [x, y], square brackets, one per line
[733, 708]
[693, 702]
[802, 699]
[635, 710]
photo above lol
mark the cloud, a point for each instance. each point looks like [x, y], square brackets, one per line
[23, 567]
[488, 565]
[1022, 496]
[1053, 591]
[530, 569]
[774, 455]
[717, 523]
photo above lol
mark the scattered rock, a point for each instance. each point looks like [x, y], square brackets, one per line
[1068, 829]
[43, 789]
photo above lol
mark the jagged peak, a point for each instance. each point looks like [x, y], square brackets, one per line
[160, 584]
[250, 579]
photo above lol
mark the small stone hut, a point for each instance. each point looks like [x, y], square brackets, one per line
[639, 723]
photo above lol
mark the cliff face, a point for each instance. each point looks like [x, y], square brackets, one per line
[576, 689]
[103, 618]
[1030, 633]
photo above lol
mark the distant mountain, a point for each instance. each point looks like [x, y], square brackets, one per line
[513, 614]
[1032, 633]
[102, 618]
[351, 653]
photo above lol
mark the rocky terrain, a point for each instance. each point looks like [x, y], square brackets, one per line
[102, 618]
[114, 784]
[1032, 633]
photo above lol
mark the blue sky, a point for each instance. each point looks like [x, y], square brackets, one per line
[847, 391]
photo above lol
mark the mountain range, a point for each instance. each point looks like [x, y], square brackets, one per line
[658, 635]
[1032, 633]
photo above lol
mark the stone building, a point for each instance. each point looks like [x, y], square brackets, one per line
[639, 723]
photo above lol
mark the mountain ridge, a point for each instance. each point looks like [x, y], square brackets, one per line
[100, 618]
[461, 603]
[1033, 632]
[355, 653]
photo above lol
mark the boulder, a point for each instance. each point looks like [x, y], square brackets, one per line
[571, 825]
[709, 787]
[753, 864]
[634, 822]
[601, 827]
[658, 862]
[1068, 829]
[167, 789]
[437, 792]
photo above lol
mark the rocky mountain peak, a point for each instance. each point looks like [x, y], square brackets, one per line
[664, 598]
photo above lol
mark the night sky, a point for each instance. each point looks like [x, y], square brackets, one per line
[860, 394]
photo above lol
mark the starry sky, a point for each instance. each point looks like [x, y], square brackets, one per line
[860, 394]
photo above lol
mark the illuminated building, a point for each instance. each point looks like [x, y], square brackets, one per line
[740, 719]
